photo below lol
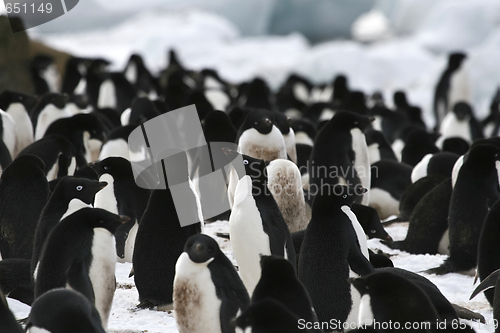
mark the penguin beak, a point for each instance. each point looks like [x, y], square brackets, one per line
[92, 165]
[371, 119]
[198, 247]
[389, 239]
[102, 185]
[124, 218]
[358, 284]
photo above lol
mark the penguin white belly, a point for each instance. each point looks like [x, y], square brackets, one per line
[366, 316]
[52, 174]
[196, 305]
[363, 244]
[74, 205]
[34, 329]
[326, 115]
[9, 133]
[231, 187]
[81, 88]
[452, 127]
[51, 76]
[105, 198]
[47, 116]
[374, 152]
[218, 99]
[117, 147]
[398, 146]
[248, 239]
[125, 117]
[24, 128]
[102, 272]
[362, 161]
[420, 170]
[131, 73]
[72, 167]
[384, 203]
[290, 145]
[301, 92]
[129, 244]
[267, 147]
[444, 243]
[72, 109]
[460, 86]
[303, 138]
[352, 319]
[456, 169]
[107, 95]
[377, 123]
[94, 147]
[293, 113]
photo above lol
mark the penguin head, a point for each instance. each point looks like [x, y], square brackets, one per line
[118, 167]
[26, 165]
[101, 218]
[276, 266]
[337, 195]
[462, 110]
[304, 125]
[340, 89]
[455, 60]
[260, 120]
[400, 99]
[142, 109]
[267, 315]
[456, 145]
[198, 98]
[483, 154]
[258, 94]
[82, 101]
[201, 248]
[346, 120]
[81, 188]
[58, 100]
[283, 122]
[361, 285]
[90, 123]
[9, 97]
[254, 167]
[356, 102]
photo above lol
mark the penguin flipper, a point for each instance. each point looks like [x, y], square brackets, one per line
[5, 158]
[487, 283]
[121, 235]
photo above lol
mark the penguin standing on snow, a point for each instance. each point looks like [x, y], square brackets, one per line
[122, 197]
[63, 310]
[80, 253]
[331, 231]
[340, 154]
[160, 235]
[260, 138]
[58, 207]
[204, 272]
[445, 94]
[475, 190]
[256, 224]
[22, 182]
[18, 106]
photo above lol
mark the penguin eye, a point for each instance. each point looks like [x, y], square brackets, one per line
[105, 168]
[373, 231]
[245, 162]
[344, 196]
[20, 98]
[79, 188]
[101, 221]
[355, 122]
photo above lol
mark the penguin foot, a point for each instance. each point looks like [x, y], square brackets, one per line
[468, 314]
[445, 268]
[147, 304]
[223, 235]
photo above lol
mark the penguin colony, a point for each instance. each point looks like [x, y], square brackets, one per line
[323, 165]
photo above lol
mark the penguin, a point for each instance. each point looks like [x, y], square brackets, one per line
[8, 322]
[45, 75]
[256, 225]
[80, 253]
[58, 206]
[492, 281]
[217, 127]
[216, 90]
[260, 138]
[390, 180]
[488, 250]
[293, 96]
[370, 222]
[491, 124]
[56, 152]
[418, 144]
[256, 94]
[378, 147]
[15, 280]
[319, 113]
[63, 310]
[23, 181]
[427, 232]
[460, 122]
[197, 97]
[203, 272]
[413, 113]
[279, 282]
[331, 231]
[116, 143]
[8, 140]
[79, 130]
[305, 131]
[141, 110]
[455, 145]
[283, 123]
[389, 122]
[18, 106]
[74, 75]
[123, 196]
[475, 190]
[444, 94]
[160, 235]
[139, 76]
[434, 164]
[340, 90]
[115, 91]
[285, 184]
[340, 154]
[49, 108]
[356, 103]
[271, 316]
[389, 297]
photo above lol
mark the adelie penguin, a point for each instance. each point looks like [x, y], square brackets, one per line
[332, 231]
[256, 224]
[80, 253]
[160, 237]
[22, 182]
[69, 194]
[434, 164]
[116, 143]
[378, 146]
[475, 190]
[491, 281]
[461, 123]
[49, 108]
[18, 106]
[340, 154]
[8, 140]
[122, 196]
[45, 74]
[203, 272]
[284, 125]
[259, 137]
[63, 310]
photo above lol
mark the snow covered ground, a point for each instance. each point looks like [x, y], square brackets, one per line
[125, 318]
